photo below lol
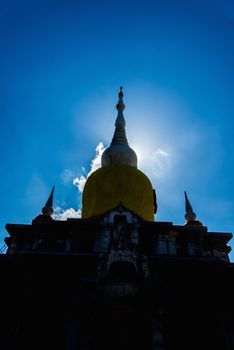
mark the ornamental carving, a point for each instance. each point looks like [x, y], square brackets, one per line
[119, 244]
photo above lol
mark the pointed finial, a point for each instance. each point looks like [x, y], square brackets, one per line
[121, 92]
[190, 216]
[120, 105]
[47, 211]
[48, 208]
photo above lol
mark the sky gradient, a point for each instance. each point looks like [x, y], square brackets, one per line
[61, 66]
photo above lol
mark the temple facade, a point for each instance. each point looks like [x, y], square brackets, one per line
[117, 278]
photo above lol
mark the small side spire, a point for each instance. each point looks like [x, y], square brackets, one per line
[190, 216]
[47, 210]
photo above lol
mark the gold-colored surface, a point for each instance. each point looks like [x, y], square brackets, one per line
[110, 185]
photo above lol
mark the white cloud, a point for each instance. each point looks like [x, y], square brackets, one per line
[61, 214]
[162, 152]
[95, 164]
[66, 176]
[80, 182]
[155, 164]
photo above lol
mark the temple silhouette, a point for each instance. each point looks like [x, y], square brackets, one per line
[116, 278]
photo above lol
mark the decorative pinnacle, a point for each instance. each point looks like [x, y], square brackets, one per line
[189, 213]
[120, 134]
[121, 92]
[48, 208]
[120, 105]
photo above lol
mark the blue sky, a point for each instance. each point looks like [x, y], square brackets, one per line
[61, 66]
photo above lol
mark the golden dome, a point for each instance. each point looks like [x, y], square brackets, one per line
[110, 185]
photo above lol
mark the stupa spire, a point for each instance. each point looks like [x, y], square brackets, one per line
[119, 152]
[190, 216]
[119, 136]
